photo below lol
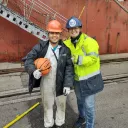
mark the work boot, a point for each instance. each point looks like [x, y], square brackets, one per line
[79, 123]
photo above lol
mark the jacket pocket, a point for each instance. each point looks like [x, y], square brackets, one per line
[95, 83]
[92, 85]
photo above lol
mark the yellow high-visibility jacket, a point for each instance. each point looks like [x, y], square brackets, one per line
[88, 51]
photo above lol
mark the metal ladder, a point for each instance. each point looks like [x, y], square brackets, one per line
[23, 23]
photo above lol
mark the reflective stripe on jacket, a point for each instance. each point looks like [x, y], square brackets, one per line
[88, 50]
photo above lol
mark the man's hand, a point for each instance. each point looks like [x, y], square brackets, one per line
[66, 91]
[37, 74]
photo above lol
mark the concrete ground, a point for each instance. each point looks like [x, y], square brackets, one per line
[111, 103]
[111, 110]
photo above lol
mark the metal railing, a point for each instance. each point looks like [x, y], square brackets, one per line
[37, 12]
[42, 8]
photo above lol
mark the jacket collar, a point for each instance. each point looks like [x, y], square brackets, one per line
[43, 43]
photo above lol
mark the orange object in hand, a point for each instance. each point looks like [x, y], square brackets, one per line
[43, 64]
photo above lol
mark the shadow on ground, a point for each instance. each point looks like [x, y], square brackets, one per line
[35, 117]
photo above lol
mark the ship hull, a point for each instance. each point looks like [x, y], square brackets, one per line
[104, 20]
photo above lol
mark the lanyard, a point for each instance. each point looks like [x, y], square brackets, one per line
[53, 50]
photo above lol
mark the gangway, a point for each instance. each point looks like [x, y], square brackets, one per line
[26, 21]
[22, 22]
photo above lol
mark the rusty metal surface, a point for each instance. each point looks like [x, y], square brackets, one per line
[109, 23]
[102, 19]
[15, 43]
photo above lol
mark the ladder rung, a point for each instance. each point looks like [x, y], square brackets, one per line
[23, 23]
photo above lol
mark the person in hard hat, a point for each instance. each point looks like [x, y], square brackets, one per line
[55, 86]
[88, 79]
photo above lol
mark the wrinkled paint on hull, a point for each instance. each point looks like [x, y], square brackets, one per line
[14, 42]
[101, 19]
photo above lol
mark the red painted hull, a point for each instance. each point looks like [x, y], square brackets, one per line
[104, 20]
